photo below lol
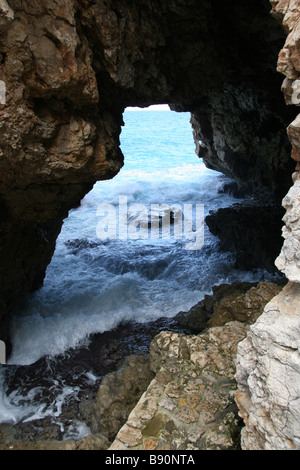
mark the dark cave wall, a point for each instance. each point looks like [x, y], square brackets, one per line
[71, 67]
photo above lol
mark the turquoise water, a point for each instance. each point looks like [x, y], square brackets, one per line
[92, 285]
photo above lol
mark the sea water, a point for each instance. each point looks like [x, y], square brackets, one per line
[92, 285]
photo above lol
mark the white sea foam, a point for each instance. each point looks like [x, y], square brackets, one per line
[77, 430]
[91, 286]
[16, 406]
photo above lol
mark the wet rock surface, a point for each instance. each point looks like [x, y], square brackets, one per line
[69, 76]
[83, 371]
[251, 231]
[175, 389]
[118, 393]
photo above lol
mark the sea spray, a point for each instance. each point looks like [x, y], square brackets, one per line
[138, 223]
[94, 285]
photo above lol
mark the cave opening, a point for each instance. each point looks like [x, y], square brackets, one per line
[227, 54]
[101, 291]
[230, 86]
[97, 281]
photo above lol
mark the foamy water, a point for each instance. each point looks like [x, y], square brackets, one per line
[93, 285]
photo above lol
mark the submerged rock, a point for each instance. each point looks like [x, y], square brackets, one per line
[93, 442]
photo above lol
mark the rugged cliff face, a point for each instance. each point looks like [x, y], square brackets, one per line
[71, 67]
[268, 362]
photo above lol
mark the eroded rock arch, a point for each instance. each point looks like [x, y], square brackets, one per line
[71, 67]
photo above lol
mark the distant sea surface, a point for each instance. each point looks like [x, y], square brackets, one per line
[93, 285]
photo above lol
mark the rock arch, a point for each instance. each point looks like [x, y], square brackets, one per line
[71, 67]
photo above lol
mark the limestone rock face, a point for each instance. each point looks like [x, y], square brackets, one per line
[242, 302]
[268, 368]
[289, 260]
[289, 65]
[71, 67]
[6, 14]
[268, 361]
[54, 140]
[245, 307]
[213, 350]
[189, 403]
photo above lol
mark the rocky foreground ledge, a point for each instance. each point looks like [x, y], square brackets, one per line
[190, 403]
[182, 395]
